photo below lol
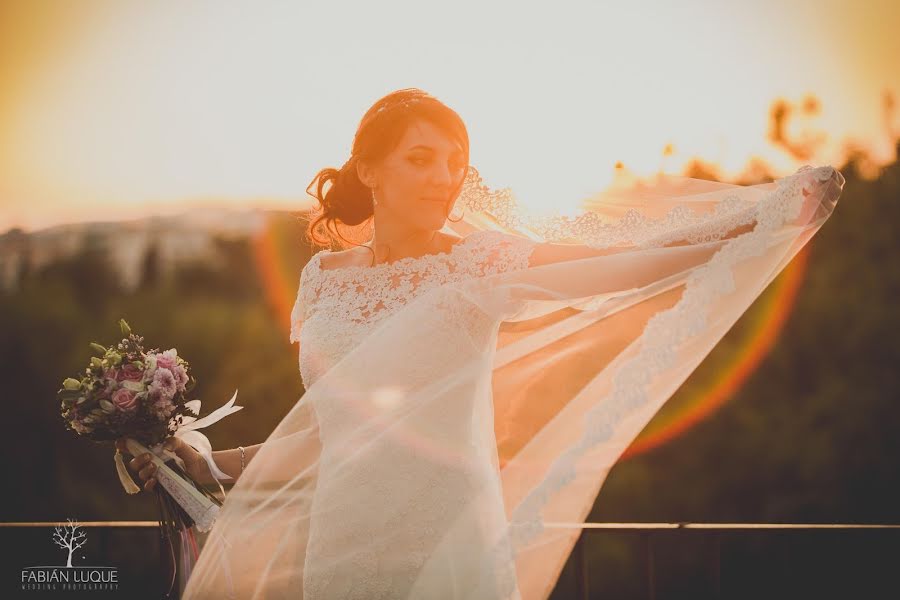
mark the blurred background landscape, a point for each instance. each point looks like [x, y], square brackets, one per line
[794, 416]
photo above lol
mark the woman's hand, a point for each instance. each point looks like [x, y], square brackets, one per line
[816, 192]
[811, 202]
[194, 463]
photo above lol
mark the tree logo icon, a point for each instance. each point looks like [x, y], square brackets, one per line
[69, 537]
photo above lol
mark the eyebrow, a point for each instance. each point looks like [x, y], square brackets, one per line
[429, 148]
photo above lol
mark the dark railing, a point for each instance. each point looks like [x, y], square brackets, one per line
[771, 560]
[645, 560]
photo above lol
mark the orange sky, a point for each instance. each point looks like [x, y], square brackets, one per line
[117, 109]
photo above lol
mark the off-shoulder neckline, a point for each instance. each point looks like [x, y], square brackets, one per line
[397, 264]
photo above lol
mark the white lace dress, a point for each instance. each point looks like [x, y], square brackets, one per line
[399, 488]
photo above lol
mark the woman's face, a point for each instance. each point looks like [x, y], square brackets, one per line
[415, 181]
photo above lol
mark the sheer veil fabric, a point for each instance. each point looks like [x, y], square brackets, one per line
[462, 409]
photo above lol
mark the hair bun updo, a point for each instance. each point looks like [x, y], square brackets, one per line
[348, 199]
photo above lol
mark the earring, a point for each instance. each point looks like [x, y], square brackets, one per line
[374, 201]
[462, 214]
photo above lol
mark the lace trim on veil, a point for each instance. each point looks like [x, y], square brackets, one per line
[591, 228]
[662, 335]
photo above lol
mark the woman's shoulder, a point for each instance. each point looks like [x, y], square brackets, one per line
[325, 259]
[361, 256]
[482, 251]
[503, 251]
[336, 259]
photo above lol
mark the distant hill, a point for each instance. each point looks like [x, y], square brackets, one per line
[188, 236]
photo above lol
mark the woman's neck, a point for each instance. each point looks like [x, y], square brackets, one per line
[393, 241]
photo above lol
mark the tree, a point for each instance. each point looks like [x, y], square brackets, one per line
[70, 537]
[150, 268]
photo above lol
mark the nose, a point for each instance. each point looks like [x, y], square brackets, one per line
[442, 176]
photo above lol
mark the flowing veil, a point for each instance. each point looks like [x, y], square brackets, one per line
[471, 425]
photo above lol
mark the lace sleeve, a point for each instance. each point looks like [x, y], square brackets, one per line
[498, 252]
[301, 304]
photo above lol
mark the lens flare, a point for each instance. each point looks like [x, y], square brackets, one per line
[769, 320]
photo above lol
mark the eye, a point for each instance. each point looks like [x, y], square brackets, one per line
[457, 165]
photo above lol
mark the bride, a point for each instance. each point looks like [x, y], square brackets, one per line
[473, 371]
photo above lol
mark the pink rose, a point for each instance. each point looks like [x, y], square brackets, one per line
[130, 373]
[124, 399]
[167, 359]
[127, 373]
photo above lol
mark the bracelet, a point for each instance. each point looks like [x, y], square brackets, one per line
[241, 448]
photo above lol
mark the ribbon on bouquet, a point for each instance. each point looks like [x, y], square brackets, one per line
[187, 431]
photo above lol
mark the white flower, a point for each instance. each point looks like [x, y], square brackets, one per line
[134, 386]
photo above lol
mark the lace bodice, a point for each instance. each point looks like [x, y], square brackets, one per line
[335, 308]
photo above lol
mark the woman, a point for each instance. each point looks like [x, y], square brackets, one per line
[471, 380]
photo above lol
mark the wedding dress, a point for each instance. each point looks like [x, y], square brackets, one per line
[463, 409]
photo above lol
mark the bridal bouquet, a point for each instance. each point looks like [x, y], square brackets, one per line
[141, 395]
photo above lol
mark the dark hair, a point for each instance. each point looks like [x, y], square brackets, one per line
[348, 202]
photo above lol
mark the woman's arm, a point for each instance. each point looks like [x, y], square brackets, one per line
[548, 253]
[734, 224]
[640, 270]
[290, 456]
[229, 461]
[630, 270]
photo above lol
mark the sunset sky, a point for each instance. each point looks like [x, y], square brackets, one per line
[115, 109]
